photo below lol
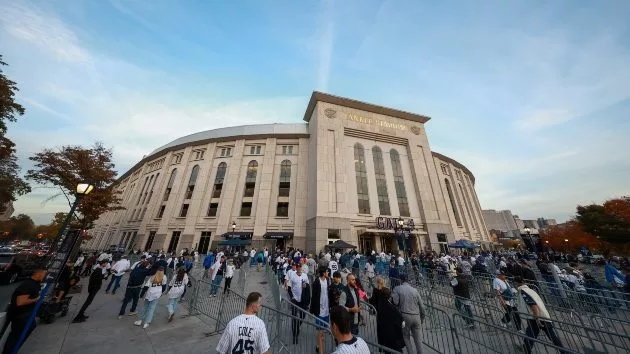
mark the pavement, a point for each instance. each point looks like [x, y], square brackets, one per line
[103, 332]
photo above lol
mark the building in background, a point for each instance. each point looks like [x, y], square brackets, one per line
[348, 174]
[542, 222]
[8, 212]
[503, 221]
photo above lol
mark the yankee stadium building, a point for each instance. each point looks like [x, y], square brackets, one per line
[353, 171]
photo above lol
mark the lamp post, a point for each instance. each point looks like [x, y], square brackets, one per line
[528, 232]
[233, 228]
[82, 190]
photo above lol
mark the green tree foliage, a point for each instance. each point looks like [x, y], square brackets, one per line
[11, 185]
[610, 227]
[68, 166]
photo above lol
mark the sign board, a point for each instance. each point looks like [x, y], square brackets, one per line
[62, 252]
[392, 223]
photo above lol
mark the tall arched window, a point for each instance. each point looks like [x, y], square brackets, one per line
[218, 180]
[146, 191]
[153, 186]
[250, 178]
[381, 181]
[169, 186]
[363, 196]
[285, 178]
[451, 197]
[146, 180]
[468, 206]
[191, 182]
[399, 183]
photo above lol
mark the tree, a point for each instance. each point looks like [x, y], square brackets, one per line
[619, 207]
[11, 185]
[51, 230]
[18, 227]
[572, 231]
[609, 227]
[68, 166]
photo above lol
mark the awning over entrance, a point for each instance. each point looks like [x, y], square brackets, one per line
[278, 235]
[234, 242]
[340, 244]
[243, 235]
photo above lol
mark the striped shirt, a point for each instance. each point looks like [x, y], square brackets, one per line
[244, 334]
[355, 345]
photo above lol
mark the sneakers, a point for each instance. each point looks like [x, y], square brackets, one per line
[132, 313]
[79, 319]
[145, 326]
[170, 317]
[138, 322]
[120, 316]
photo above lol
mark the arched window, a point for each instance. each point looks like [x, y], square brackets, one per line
[169, 186]
[468, 206]
[451, 197]
[399, 183]
[218, 180]
[153, 186]
[250, 178]
[363, 196]
[381, 181]
[191, 182]
[146, 180]
[285, 178]
[146, 191]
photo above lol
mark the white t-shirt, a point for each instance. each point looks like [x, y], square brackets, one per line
[369, 269]
[229, 270]
[244, 334]
[401, 261]
[333, 266]
[177, 287]
[295, 282]
[354, 346]
[252, 253]
[323, 298]
[155, 290]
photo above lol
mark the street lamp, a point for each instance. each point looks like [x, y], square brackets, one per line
[82, 190]
[528, 232]
[401, 223]
[566, 244]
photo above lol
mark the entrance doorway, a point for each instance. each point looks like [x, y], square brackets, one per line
[172, 245]
[204, 242]
[366, 243]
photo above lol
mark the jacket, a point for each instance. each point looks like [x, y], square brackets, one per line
[316, 296]
[96, 280]
[137, 276]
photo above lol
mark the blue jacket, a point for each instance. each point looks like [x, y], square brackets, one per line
[138, 274]
[208, 261]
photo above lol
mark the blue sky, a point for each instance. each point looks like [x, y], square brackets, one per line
[533, 96]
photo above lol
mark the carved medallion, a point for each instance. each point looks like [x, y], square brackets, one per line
[415, 129]
[330, 113]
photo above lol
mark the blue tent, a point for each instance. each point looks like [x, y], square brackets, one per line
[463, 244]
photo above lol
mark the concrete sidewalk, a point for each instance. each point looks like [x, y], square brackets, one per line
[103, 332]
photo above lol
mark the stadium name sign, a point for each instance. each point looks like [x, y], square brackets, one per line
[392, 223]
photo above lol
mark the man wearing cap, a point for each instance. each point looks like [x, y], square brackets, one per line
[408, 301]
[505, 293]
[118, 270]
[94, 285]
[461, 290]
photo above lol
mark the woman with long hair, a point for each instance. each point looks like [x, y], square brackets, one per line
[156, 286]
[177, 288]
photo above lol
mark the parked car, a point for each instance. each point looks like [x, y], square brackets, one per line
[15, 265]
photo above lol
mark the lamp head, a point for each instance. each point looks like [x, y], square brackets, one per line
[401, 222]
[84, 188]
[233, 225]
[566, 240]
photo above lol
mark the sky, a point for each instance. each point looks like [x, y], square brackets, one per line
[532, 96]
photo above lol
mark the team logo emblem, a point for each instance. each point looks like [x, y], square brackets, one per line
[330, 113]
[415, 129]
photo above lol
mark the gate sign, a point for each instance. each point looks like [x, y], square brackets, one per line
[392, 223]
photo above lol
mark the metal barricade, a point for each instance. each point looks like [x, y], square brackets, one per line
[242, 278]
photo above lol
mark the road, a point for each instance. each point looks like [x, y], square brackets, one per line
[5, 294]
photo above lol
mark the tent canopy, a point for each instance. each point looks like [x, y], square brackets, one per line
[463, 244]
[340, 244]
[234, 242]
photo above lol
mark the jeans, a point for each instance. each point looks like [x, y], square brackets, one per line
[295, 323]
[533, 330]
[116, 279]
[172, 305]
[228, 282]
[131, 294]
[17, 326]
[463, 306]
[216, 283]
[512, 313]
[412, 328]
[149, 310]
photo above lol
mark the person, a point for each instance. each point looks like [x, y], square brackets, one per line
[320, 302]
[505, 292]
[94, 285]
[370, 272]
[299, 294]
[246, 333]
[118, 270]
[352, 303]
[134, 286]
[218, 270]
[461, 290]
[229, 274]
[408, 301]
[348, 343]
[208, 261]
[533, 307]
[177, 287]
[389, 323]
[337, 291]
[23, 302]
[157, 286]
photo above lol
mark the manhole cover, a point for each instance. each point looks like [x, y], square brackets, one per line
[263, 282]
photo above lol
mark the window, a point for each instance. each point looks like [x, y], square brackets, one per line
[161, 211]
[282, 209]
[184, 211]
[198, 154]
[458, 175]
[142, 214]
[169, 186]
[254, 150]
[363, 196]
[172, 245]
[146, 180]
[150, 239]
[152, 186]
[246, 209]
[212, 209]
[468, 207]
[444, 168]
[146, 192]
[449, 190]
[399, 183]
[204, 242]
[218, 180]
[177, 158]
[285, 179]
[191, 182]
[226, 152]
[287, 150]
[250, 179]
[381, 181]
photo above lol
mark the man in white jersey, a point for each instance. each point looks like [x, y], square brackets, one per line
[340, 327]
[333, 266]
[246, 333]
